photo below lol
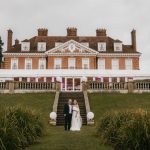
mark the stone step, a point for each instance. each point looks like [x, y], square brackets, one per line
[63, 98]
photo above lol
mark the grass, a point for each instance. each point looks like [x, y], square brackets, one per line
[57, 138]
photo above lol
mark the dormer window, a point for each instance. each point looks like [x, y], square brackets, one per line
[58, 43]
[25, 46]
[117, 47]
[101, 46]
[85, 44]
[41, 46]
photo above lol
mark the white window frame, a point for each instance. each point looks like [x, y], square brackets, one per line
[25, 46]
[41, 46]
[85, 44]
[71, 63]
[115, 64]
[57, 63]
[118, 47]
[42, 62]
[26, 61]
[101, 63]
[128, 64]
[102, 44]
[58, 43]
[13, 61]
[85, 61]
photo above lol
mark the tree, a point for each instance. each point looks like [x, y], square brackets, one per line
[1, 50]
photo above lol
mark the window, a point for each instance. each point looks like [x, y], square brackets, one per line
[58, 43]
[101, 63]
[14, 63]
[57, 63]
[28, 63]
[85, 63]
[128, 64]
[42, 63]
[115, 64]
[71, 63]
[101, 46]
[41, 46]
[117, 47]
[25, 46]
[85, 44]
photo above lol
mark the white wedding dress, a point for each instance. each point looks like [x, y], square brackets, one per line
[76, 122]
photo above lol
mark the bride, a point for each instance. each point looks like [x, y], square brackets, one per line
[76, 122]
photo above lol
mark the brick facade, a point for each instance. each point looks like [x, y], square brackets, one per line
[101, 36]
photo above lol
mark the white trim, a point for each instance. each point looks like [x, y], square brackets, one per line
[128, 64]
[39, 46]
[8, 73]
[26, 62]
[101, 63]
[57, 61]
[24, 54]
[118, 47]
[88, 63]
[72, 54]
[25, 45]
[115, 64]
[103, 44]
[12, 62]
[85, 44]
[66, 44]
[119, 55]
[71, 63]
[41, 61]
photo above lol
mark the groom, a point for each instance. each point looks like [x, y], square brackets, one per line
[68, 114]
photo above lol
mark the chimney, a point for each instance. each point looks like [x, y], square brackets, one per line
[42, 32]
[71, 31]
[9, 39]
[16, 42]
[133, 39]
[101, 32]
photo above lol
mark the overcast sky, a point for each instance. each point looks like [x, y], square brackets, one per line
[119, 17]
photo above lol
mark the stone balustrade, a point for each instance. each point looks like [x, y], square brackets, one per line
[3, 85]
[145, 85]
[91, 86]
[35, 85]
[107, 86]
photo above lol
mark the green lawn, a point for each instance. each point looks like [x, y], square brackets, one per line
[57, 138]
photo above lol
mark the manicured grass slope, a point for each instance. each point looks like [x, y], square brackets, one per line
[57, 138]
[101, 103]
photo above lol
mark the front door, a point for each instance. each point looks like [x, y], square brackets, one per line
[71, 84]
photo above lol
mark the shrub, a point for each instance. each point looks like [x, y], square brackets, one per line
[126, 130]
[19, 128]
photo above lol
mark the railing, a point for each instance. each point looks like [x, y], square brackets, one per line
[34, 86]
[142, 85]
[107, 86]
[3, 85]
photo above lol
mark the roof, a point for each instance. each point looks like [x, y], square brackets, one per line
[92, 40]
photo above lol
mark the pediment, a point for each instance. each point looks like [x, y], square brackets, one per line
[71, 47]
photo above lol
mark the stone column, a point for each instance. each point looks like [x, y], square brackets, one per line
[11, 86]
[20, 79]
[65, 84]
[58, 86]
[73, 84]
[84, 86]
[130, 87]
[118, 79]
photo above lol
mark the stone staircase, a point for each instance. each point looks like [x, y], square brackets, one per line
[63, 98]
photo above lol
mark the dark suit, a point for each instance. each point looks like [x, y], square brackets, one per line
[68, 117]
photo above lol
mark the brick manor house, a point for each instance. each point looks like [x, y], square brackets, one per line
[71, 59]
